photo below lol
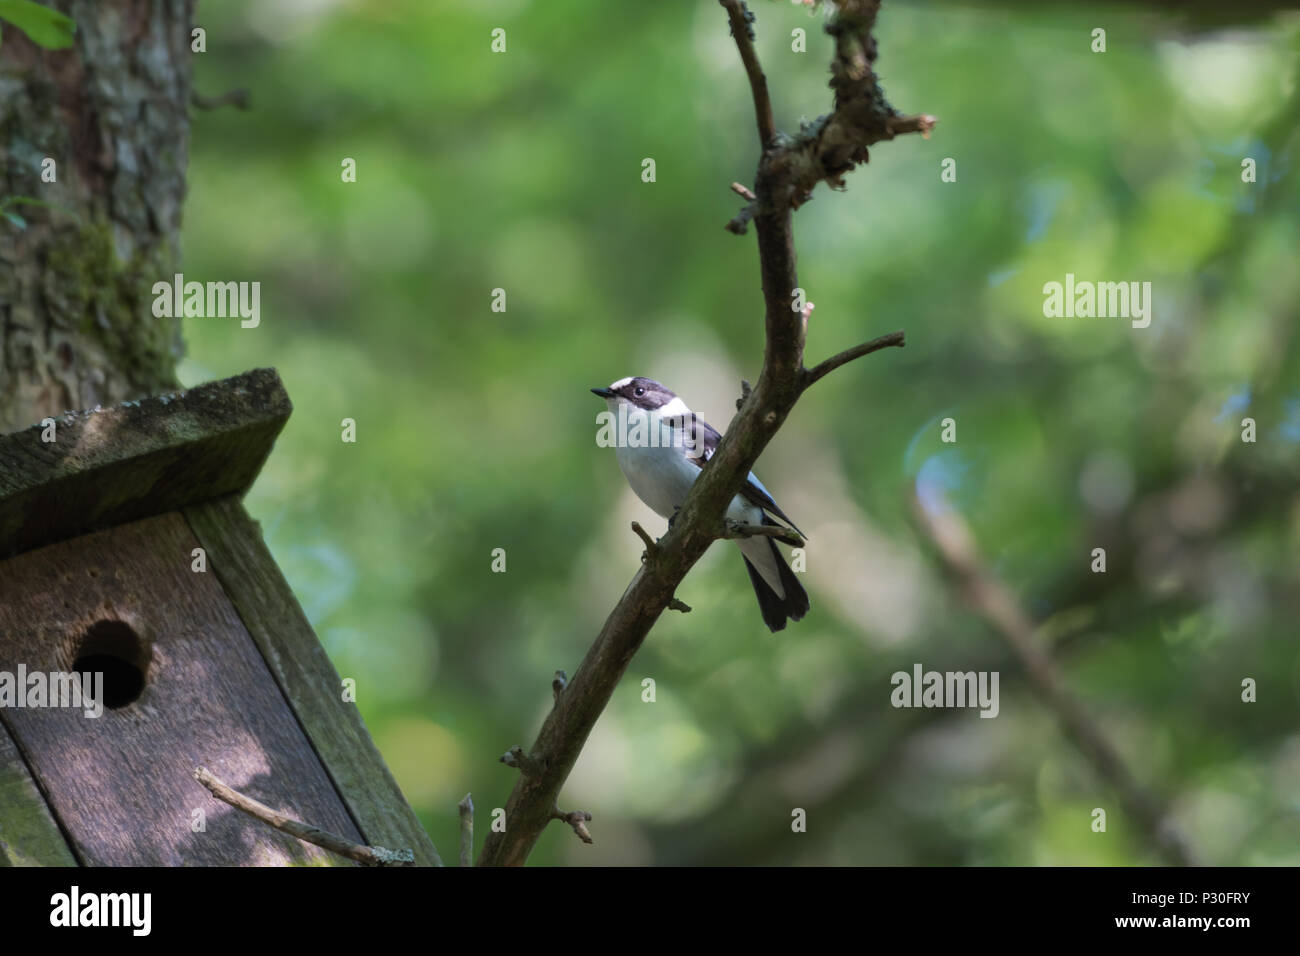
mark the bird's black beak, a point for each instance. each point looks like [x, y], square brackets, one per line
[603, 392]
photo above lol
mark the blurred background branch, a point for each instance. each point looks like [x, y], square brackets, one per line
[989, 598]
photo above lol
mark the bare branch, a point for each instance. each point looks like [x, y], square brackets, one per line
[741, 19]
[991, 599]
[578, 819]
[892, 340]
[788, 168]
[466, 808]
[832, 145]
[369, 855]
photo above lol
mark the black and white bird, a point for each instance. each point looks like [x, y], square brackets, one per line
[661, 446]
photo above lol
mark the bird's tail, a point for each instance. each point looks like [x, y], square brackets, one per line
[768, 568]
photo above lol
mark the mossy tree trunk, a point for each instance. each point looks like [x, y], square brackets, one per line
[76, 322]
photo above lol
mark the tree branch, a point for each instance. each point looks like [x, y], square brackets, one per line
[741, 19]
[862, 116]
[370, 855]
[892, 340]
[832, 145]
[991, 599]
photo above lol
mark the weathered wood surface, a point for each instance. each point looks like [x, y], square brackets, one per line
[122, 784]
[28, 834]
[114, 465]
[271, 613]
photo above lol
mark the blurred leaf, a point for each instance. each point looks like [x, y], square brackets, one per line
[47, 28]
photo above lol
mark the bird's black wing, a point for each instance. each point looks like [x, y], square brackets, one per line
[708, 438]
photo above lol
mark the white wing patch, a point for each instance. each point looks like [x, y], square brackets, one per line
[674, 409]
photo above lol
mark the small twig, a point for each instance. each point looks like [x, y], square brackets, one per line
[892, 340]
[515, 757]
[735, 530]
[739, 223]
[578, 819]
[240, 98]
[651, 546]
[744, 192]
[677, 605]
[741, 19]
[745, 389]
[560, 682]
[922, 124]
[466, 808]
[370, 855]
[993, 601]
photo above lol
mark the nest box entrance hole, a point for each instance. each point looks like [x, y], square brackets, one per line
[114, 649]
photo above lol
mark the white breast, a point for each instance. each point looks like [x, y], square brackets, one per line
[662, 476]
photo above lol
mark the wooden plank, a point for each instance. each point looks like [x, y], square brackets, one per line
[271, 613]
[114, 465]
[29, 836]
[121, 784]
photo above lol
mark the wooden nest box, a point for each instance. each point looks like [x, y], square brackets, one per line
[125, 551]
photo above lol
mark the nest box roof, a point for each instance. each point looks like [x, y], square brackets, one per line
[108, 466]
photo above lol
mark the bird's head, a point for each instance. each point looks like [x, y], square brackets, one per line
[638, 392]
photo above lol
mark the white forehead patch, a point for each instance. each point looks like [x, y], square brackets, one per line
[621, 382]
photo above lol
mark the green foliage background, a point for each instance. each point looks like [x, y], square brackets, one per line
[522, 171]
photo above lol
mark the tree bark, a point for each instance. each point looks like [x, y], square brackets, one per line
[76, 322]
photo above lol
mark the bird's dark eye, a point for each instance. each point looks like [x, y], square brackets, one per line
[640, 391]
